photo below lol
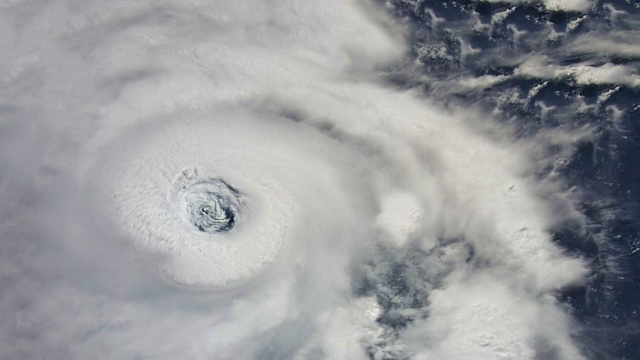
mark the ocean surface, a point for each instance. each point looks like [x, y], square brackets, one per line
[538, 69]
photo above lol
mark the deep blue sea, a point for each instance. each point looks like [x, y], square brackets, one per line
[568, 86]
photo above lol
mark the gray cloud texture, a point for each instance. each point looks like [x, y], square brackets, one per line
[377, 225]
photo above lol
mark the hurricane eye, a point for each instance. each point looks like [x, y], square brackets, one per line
[208, 205]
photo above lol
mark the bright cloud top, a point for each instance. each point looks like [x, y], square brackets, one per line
[233, 174]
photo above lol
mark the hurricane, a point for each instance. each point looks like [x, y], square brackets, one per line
[337, 179]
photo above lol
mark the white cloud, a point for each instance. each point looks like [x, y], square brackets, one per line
[281, 100]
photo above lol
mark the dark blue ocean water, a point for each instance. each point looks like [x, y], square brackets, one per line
[454, 41]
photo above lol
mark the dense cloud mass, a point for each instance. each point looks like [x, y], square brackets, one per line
[240, 180]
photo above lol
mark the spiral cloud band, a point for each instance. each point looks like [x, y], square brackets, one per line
[239, 183]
